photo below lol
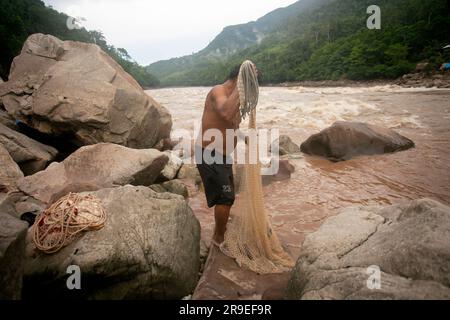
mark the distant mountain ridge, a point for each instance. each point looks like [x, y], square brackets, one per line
[321, 40]
[232, 40]
[242, 36]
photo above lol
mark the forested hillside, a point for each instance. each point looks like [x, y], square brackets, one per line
[331, 41]
[20, 18]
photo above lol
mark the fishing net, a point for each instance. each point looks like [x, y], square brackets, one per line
[250, 239]
[59, 225]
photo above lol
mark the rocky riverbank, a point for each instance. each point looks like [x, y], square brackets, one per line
[150, 244]
[411, 80]
[156, 237]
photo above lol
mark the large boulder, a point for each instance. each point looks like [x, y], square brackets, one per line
[344, 140]
[397, 252]
[12, 248]
[148, 249]
[74, 87]
[92, 168]
[9, 171]
[32, 156]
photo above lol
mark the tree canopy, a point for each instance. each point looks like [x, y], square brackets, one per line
[21, 18]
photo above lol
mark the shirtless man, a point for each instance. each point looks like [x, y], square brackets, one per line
[221, 113]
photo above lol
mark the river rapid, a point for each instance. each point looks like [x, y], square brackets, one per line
[319, 188]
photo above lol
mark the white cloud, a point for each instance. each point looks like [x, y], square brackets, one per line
[155, 30]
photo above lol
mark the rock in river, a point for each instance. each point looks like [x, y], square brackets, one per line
[344, 140]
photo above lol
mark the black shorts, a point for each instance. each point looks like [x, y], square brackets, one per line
[217, 179]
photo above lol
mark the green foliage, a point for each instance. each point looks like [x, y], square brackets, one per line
[331, 42]
[21, 18]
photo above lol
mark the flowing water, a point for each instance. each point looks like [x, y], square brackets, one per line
[319, 188]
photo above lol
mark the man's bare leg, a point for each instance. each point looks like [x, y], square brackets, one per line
[221, 214]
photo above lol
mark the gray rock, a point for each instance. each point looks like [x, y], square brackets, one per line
[32, 156]
[176, 187]
[285, 170]
[409, 243]
[74, 87]
[12, 247]
[7, 202]
[15, 203]
[158, 188]
[9, 171]
[148, 249]
[422, 66]
[344, 140]
[173, 166]
[92, 168]
[6, 119]
[172, 186]
[287, 146]
[190, 172]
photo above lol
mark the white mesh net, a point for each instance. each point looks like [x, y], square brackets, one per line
[250, 239]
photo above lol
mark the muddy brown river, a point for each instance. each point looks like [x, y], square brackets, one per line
[319, 188]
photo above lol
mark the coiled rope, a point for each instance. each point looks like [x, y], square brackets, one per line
[60, 224]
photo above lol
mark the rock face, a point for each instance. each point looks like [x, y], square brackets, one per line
[176, 187]
[173, 186]
[73, 87]
[287, 146]
[223, 279]
[6, 119]
[32, 156]
[344, 140]
[409, 243]
[148, 249]
[16, 204]
[173, 166]
[9, 171]
[12, 248]
[190, 172]
[92, 168]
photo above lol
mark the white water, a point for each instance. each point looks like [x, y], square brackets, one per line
[319, 188]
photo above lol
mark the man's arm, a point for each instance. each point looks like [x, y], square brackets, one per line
[226, 107]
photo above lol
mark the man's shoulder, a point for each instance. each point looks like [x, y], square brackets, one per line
[218, 90]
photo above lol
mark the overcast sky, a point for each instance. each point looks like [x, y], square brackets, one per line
[153, 30]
